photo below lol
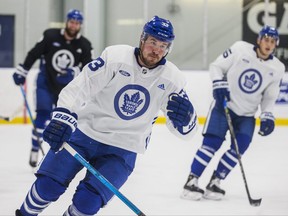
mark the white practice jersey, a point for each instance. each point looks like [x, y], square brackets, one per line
[252, 81]
[118, 101]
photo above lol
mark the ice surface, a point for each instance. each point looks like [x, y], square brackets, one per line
[157, 181]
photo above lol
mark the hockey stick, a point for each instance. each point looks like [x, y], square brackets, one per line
[5, 118]
[31, 118]
[102, 179]
[253, 202]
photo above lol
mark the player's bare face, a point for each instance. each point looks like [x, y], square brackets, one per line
[152, 51]
[266, 47]
[72, 28]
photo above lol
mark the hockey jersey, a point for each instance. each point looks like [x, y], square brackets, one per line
[252, 80]
[56, 53]
[117, 100]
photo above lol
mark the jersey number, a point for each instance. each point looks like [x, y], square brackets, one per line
[96, 64]
[226, 53]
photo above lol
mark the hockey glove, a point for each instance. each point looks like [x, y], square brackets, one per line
[67, 76]
[20, 74]
[60, 128]
[220, 92]
[267, 123]
[179, 110]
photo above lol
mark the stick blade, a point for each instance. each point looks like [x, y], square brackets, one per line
[5, 118]
[255, 202]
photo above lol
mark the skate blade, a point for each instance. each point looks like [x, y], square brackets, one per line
[213, 196]
[189, 195]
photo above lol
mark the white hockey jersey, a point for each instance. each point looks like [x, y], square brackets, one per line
[252, 81]
[117, 101]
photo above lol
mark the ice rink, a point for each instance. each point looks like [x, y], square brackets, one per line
[157, 181]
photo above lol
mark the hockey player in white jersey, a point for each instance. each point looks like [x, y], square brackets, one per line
[247, 76]
[110, 109]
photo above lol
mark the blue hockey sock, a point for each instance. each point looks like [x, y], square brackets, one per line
[36, 138]
[201, 160]
[44, 191]
[40, 121]
[226, 164]
[33, 204]
[230, 158]
[205, 153]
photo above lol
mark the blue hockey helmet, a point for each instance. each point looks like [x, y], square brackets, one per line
[75, 15]
[269, 31]
[159, 28]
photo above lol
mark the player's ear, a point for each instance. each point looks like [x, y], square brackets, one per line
[258, 41]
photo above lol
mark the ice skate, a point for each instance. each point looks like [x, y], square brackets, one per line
[18, 213]
[213, 190]
[191, 190]
[33, 158]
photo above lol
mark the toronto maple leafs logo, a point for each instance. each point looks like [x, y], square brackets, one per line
[131, 101]
[250, 81]
[62, 59]
[131, 104]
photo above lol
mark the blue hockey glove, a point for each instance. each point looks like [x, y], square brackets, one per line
[20, 74]
[267, 123]
[68, 75]
[60, 128]
[220, 92]
[179, 110]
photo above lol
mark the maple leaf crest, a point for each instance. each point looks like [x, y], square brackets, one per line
[131, 104]
[63, 61]
[250, 81]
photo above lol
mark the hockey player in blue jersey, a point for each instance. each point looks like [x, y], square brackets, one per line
[247, 76]
[109, 109]
[62, 54]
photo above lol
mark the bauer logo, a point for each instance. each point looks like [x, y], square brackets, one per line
[66, 119]
[283, 95]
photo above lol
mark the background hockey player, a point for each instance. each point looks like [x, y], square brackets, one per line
[62, 53]
[116, 99]
[247, 76]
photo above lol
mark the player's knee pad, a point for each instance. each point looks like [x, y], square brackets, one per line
[212, 143]
[243, 142]
[86, 200]
[49, 189]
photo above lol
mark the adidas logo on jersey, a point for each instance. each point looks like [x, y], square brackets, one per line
[161, 86]
[245, 60]
[271, 74]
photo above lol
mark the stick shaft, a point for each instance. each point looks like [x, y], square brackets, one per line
[31, 118]
[233, 136]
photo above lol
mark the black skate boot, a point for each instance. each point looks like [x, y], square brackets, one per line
[18, 213]
[213, 190]
[191, 190]
[33, 158]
